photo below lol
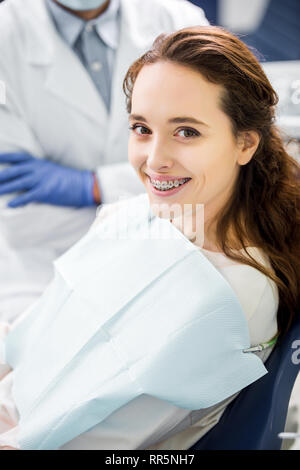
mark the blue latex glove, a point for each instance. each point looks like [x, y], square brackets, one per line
[45, 181]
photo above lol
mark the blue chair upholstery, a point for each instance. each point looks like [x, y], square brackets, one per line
[253, 420]
[277, 37]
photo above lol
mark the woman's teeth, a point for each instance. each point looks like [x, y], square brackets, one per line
[165, 185]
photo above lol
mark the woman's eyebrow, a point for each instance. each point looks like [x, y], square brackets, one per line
[186, 119]
[137, 117]
[175, 120]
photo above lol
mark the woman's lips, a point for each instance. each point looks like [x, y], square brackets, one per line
[166, 192]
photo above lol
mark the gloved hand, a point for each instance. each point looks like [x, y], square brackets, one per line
[45, 181]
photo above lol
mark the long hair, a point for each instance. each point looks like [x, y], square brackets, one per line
[264, 206]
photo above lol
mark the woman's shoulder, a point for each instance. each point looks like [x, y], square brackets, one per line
[220, 260]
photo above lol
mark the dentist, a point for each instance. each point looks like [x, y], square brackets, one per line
[63, 126]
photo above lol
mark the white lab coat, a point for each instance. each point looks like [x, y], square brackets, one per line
[54, 111]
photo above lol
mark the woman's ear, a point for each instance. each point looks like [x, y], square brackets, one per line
[248, 143]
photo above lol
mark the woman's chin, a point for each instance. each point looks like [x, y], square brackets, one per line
[165, 209]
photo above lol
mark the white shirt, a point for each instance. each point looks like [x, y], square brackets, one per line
[150, 423]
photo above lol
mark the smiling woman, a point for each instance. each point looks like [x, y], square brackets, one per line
[213, 122]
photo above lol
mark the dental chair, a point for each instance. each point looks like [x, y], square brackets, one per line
[253, 420]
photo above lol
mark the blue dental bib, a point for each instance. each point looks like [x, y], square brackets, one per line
[126, 314]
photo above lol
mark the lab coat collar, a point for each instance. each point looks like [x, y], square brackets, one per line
[67, 24]
[45, 47]
[38, 31]
[107, 24]
[70, 26]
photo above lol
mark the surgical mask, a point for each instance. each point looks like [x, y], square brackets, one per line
[80, 5]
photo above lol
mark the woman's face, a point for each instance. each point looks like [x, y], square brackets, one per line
[179, 131]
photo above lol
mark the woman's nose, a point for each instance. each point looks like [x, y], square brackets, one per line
[158, 156]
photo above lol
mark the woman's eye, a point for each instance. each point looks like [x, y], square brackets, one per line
[141, 130]
[186, 133]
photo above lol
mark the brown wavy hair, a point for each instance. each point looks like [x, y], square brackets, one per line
[264, 206]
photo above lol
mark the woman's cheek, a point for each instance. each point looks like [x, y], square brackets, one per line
[138, 162]
[133, 156]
